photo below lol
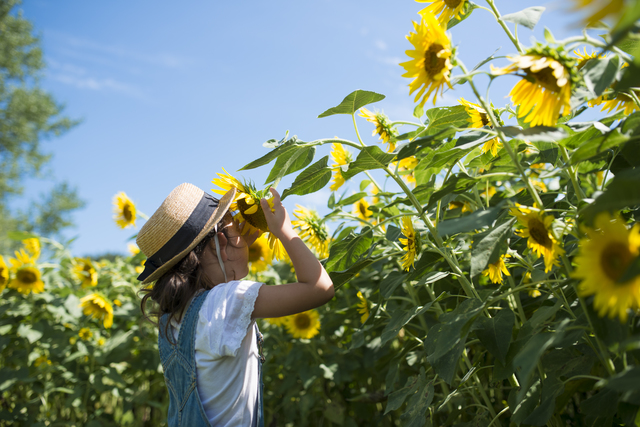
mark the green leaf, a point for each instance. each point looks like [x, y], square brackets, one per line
[627, 380]
[371, 157]
[466, 12]
[474, 221]
[399, 319]
[351, 199]
[623, 191]
[32, 335]
[495, 333]
[391, 282]
[456, 184]
[548, 36]
[601, 405]
[344, 253]
[597, 145]
[419, 403]
[528, 17]
[290, 162]
[397, 398]
[535, 134]
[600, 73]
[418, 111]
[444, 156]
[487, 247]
[311, 179]
[290, 144]
[552, 387]
[21, 235]
[446, 340]
[522, 409]
[353, 102]
[339, 278]
[444, 120]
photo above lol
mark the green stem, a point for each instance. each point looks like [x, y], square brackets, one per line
[480, 386]
[355, 126]
[506, 29]
[506, 145]
[373, 181]
[498, 416]
[633, 96]
[336, 141]
[400, 122]
[516, 296]
[572, 174]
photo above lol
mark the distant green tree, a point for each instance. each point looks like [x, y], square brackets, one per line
[28, 115]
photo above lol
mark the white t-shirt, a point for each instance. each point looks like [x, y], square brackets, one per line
[227, 354]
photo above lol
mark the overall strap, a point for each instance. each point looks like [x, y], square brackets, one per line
[186, 336]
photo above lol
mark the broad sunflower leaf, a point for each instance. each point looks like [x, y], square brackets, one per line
[623, 191]
[552, 387]
[339, 278]
[487, 246]
[290, 162]
[419, 403]
[443, 121]
[536, 133]
[466, 12]
[474, 221]
[600, 73]
[391, 282]
[344, 253]
[353, 102]
[456, 184]
[21, 235]
[311, 179]
[627, 380]
[597, 145]
[371, 157]
[446, 340]
[600, 406]
[495, 333]
[351, 199]
[32, 335]
[399, 319]
[290, 144]
[528, 17]
[397, 398]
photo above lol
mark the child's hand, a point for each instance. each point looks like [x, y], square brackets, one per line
[278, 221]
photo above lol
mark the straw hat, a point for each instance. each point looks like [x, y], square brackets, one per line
[185, 217]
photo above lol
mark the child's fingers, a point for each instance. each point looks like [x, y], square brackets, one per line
[276, 195]
[266, 208]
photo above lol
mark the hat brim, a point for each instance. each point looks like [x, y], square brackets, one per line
[223, 206]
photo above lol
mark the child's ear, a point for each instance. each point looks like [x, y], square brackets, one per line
[222, 240]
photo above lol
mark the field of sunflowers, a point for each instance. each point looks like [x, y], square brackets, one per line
[486, 260]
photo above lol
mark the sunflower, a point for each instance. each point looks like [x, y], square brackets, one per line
[99, 307]
[26, 278]
[585, 57]
[312, 230]
[446, 9]
[303, 325]
[410, 243]
[533, 292]
[124, 211]
[465, 205]
[494, 270]
[42, 360]
[117, 302]
[537, 228]
[361, 209]
[430, 64]
[617, 102]
[85, 334]
[85, 272]
[259, 255]
[479, 118]
[599, 9]
[4, 274]
[363, 307]
[406, 167]
[277, 321]
[133, 249]
[341, 157]
[544, 93]
[605, 255]
[489, 192]
[383, 129]
[249, 211]
[32, 247]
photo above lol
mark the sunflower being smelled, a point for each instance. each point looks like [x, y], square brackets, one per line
[249, 211]
[260, 256]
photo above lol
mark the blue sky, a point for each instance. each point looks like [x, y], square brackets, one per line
[172, 93]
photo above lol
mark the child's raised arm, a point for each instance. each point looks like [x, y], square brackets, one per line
[314, 287]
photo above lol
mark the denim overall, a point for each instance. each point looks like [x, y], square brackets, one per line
[179, 364]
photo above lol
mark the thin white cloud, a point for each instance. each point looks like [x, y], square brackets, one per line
[380, 44]
[91, 83]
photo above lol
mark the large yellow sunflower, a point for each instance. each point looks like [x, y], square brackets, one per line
[32, 247]
[410, 243]
[361, 209]
[430, 65]
[312, 230]
[124, 211]
[495, 270]
[260, 256]
[341, 157]
[604, 256]
[26, 276]
[85, 272]
[445, 9]
[363, 307]
[599, 9]
[249, 211]
[99, 307]
[544, 93]
[4, 274]
[383, 129]
[537, 228]
[303, 325]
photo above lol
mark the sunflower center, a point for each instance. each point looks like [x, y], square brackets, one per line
[452, 4]
[363, 210]
[539, 232]
[255, 253]
[484, 117]
[545, 78]
[256, 219]
[302, 321]
[27, 277]
[127, 213]
[615, 259]
[432, 64]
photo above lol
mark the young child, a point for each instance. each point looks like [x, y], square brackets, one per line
[210, 346]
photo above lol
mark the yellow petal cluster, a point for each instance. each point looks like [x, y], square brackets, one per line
[26, 276]
[341, 157]
[383, 129]
[536, 228]
[303, 325]
[124, 211]
[494, 270]
[444, 9]
[85, 272]
[99, 307]
[260, 256]
[363, 307]
[410, 243]
[312, 230]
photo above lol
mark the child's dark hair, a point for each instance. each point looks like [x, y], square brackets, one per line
[173, 291]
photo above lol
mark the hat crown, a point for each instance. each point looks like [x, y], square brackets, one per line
[168, 218]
